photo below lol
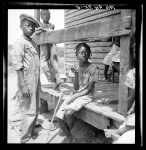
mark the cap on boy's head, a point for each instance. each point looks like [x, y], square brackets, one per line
[25, 16]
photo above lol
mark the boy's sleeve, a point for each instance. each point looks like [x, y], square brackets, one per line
[18, 55]
[130, 120]
[95, 74]
[130, 80]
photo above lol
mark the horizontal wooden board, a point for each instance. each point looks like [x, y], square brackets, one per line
[106, 94]
[95, 17]
[66, 10]
[91, 44]
[79, 12]
[98, 30]
[107, 39]
[71, 11]
[93, 118]
[93, 50]
[93, 56]
[86, 14]
[105, 110]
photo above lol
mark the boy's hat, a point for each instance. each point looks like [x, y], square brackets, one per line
[25, 16]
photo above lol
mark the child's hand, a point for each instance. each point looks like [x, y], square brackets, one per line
[41, 29]
[107, 133]
[74, 69]
[25, 91]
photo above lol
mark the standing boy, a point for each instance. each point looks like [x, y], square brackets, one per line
[25, 58]
[49, 59]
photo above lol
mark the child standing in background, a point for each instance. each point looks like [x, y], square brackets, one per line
[49, 60]
[108, 58]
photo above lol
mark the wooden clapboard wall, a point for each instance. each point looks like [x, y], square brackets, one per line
[75, 17]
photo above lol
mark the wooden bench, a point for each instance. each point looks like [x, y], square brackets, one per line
[99, 115]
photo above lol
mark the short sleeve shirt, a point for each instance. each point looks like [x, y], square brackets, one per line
[108, 58]
[91, 74]
[130, 80]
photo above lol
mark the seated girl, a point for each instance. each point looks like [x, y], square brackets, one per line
[85, 77]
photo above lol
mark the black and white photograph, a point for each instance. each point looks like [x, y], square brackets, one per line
[73, 74]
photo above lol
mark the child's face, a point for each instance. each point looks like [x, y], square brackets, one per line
[83, 54]
[45, 15]
[28, 27]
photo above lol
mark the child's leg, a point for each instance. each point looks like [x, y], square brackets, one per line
[105, 71]
[113, 72]
[64, 128]
[70, 118]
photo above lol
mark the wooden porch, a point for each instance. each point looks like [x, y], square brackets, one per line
[101, 113]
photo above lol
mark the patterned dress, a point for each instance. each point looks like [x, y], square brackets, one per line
[25, 56]
[91, 74]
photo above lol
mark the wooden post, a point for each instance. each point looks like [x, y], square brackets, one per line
[37, 14]
[37, 17]
[124, 68]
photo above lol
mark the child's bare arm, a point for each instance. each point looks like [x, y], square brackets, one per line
[84, 92]
[25, 90]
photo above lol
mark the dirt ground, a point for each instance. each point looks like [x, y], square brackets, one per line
[81, 131]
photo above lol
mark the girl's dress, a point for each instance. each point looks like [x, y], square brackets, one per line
[91, 74]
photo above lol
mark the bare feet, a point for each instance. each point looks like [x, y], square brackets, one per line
[109, 132]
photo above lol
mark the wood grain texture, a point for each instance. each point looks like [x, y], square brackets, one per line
[101, 16]
[104, 29]
[83, 15]
[105, 110]
[37, 14]
[76, 13]
[93, 56]
[71, 11]
[95, 119]
[124, 68]
[91, 44]
[93, 50]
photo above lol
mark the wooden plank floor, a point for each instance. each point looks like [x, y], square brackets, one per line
[103, 107]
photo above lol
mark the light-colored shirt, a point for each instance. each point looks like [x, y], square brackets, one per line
[108, 58]
[116, 57]
[25, 56]
[130, 80]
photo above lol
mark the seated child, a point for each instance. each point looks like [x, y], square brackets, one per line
[126, 133]
[108, 58]
[85, 77]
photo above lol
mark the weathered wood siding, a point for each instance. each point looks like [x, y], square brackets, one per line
[75, 17]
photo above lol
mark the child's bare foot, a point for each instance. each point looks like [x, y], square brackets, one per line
[109, 132]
